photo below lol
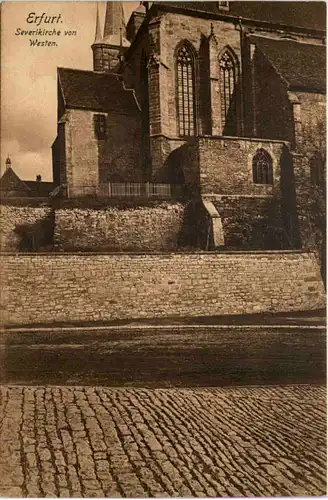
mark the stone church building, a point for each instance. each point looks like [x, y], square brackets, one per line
[225, 100]
[201, 127]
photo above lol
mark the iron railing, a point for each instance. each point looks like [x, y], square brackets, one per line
[125, 190]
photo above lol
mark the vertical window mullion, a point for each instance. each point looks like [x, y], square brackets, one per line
[189, 98]
[185, 90]
[179, 95]
[225, 96]
[262, 168]
[192, 100]
[227, 83]
[182, 97]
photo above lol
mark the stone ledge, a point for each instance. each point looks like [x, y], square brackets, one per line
[158, 254]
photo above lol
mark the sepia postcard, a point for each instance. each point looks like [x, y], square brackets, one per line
[163, 249]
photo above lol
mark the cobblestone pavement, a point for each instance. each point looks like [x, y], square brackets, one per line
[96, 442]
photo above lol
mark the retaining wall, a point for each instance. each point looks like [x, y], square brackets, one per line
[13, 217]
[117, 229]
[47, 288]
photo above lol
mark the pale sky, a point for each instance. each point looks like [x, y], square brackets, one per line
[29, 77]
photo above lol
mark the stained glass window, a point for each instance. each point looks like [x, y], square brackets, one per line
[228, 93]
[186, 91]
[262, 168]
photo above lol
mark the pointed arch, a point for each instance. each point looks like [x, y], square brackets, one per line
[185, 59]
[229, 94]
[262, 167]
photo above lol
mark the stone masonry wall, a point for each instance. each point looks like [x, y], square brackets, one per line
[226, 165]
[11, 217]
[313, 119]
[88, 287]
[119, 155]
[167, 31]
[111, 228]
[175, 29]
[310, 140]
[311, 196]
[251, 222]
[91, 161]
[81, 149]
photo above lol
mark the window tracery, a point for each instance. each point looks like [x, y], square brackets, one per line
[262, 167]
[186, 91]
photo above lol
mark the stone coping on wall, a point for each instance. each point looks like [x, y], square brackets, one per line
[25, 202]
[228, 195]
[248, 139]
[192, 139]
[120, 203]
[159, 254]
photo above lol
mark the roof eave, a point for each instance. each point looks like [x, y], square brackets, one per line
[11, 171]
[61, 86]
[278, 73]
[307, 89]
[237, 19]
[102, 110]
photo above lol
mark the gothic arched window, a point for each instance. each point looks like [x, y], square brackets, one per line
[316, 169]
[228, 81]
[186, 91]
[262, 167]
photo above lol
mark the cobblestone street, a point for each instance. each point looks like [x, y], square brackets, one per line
[96, 442]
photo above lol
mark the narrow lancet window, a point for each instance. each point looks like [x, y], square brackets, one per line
[262, 168]
[228, 78]
[186, 91]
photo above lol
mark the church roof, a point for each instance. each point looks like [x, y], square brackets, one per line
[10, 182]
[310, 14]
[42, 188]
[114, 19]
[114, 28]
[95, 91]
[115, 40]
[301, 65]
[13, 186]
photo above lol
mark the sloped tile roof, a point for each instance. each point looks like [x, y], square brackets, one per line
[11, 182]
[12, 185]
[310, 14]
[301, 65]
[95, 91]
[42, 188]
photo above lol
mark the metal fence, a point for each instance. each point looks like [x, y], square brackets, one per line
[125, 190]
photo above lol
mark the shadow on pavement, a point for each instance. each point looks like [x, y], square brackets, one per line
[171, 357]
